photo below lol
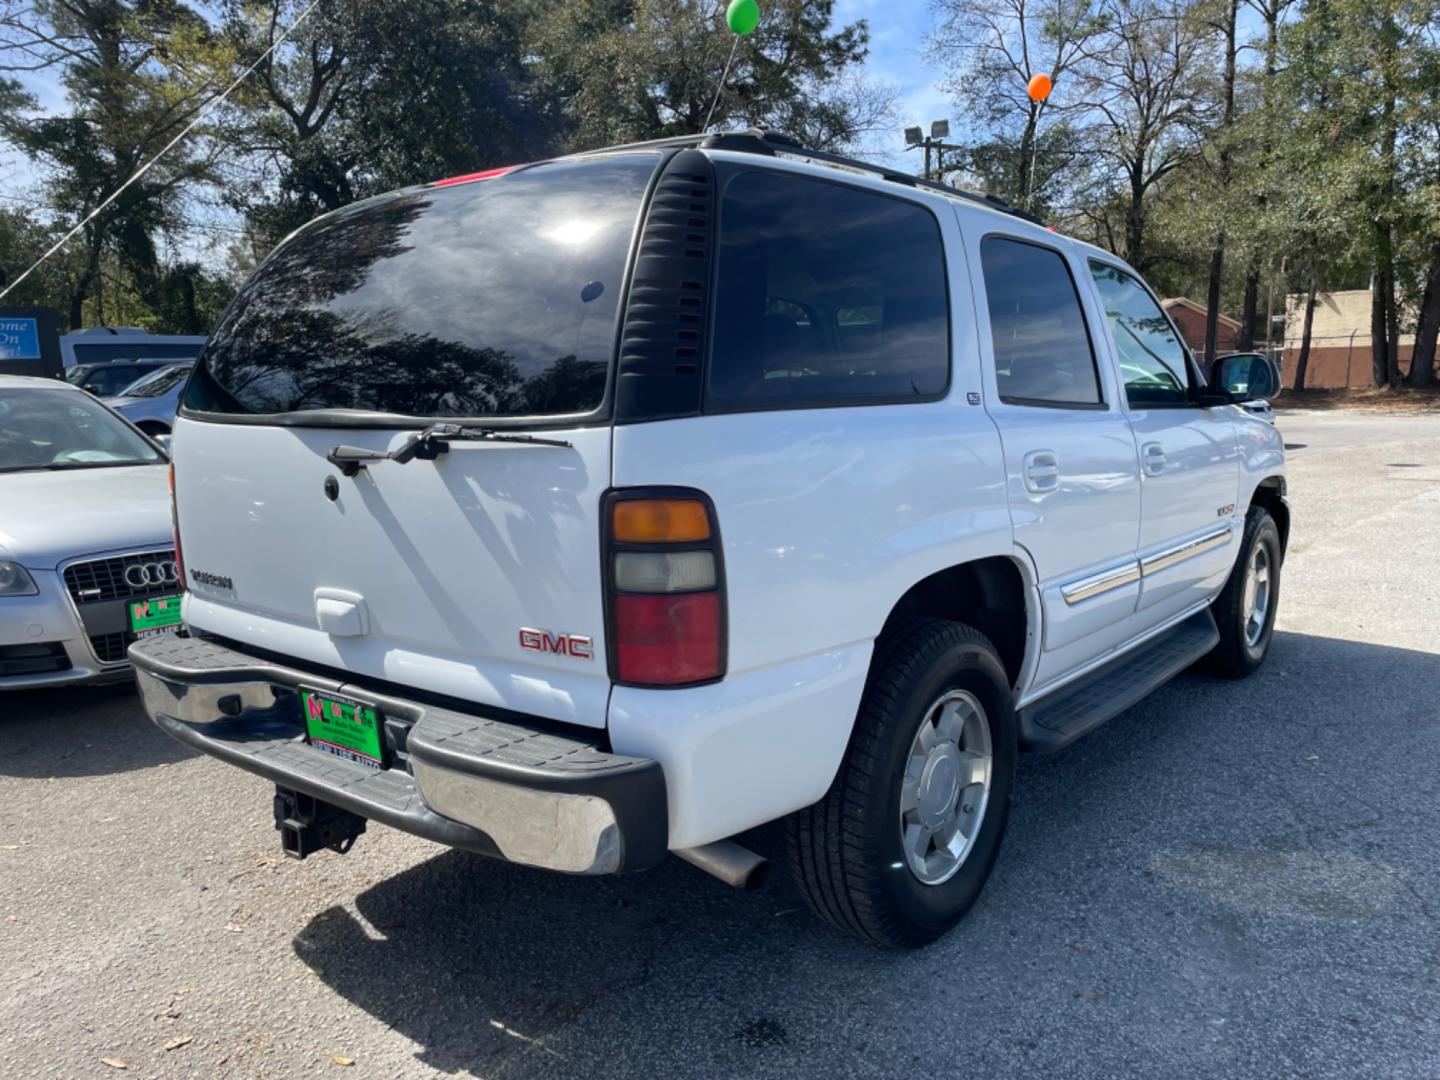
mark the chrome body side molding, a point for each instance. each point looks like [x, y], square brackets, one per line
[1100, 583]
[1151, 564]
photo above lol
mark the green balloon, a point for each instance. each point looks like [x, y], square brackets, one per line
[742, 16]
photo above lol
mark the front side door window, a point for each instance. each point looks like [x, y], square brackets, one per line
[1153, 362]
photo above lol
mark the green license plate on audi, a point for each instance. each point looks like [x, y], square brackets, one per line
[343, 726]
[156, 615]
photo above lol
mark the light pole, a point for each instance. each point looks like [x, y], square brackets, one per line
[916, 139]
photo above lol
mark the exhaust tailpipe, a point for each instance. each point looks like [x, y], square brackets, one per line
[729, 862]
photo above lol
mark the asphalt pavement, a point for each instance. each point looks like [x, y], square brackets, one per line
[1230, 879]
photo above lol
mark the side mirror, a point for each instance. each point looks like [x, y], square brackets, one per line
[1245, 377]
[164, 441]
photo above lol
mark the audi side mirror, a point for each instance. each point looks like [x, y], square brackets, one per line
[1245, 377]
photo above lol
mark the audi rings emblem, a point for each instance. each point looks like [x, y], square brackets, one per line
[148, 575]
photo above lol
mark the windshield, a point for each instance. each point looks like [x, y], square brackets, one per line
[158, 383]
[61, 429]
[496, 297]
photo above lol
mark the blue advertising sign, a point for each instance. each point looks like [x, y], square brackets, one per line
[19, 339]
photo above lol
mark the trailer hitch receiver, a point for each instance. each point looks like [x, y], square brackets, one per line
[306, 824]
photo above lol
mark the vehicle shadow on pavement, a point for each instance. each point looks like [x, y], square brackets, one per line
[1151, 868]
[80, 731]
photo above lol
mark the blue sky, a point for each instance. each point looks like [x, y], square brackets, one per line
[897, 47]
[897, 56]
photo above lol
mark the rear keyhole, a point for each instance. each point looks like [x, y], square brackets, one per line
[332, 488]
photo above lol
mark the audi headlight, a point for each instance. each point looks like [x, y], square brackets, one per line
[15, 580]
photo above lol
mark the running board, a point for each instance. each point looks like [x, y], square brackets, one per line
[1058, 719]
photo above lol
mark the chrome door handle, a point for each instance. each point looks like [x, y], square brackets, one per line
[1153, 457]
[1042, 471]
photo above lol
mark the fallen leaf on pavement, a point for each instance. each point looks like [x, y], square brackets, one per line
[1089, 995]
[115, 1063]
[336, 1059]
[178, 1041]
[1081, 949]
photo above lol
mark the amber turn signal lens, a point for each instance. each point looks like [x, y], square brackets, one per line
[660, 521]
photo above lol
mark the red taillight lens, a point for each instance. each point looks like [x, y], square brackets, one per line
[668, 639]
[665, 586]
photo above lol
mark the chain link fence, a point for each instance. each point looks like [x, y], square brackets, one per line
[1337, 361]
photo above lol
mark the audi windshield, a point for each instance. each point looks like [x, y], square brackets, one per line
[63, 429]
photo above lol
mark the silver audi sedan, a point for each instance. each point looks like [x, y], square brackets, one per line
[87, 563]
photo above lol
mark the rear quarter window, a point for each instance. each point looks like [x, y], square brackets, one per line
[495, 298]
[826, 294]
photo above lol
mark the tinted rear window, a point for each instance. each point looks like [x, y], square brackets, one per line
[491, 298]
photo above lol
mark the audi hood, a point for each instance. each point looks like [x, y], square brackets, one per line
[51, 516]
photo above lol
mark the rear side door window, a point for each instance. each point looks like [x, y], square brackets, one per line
[1153, 361]
[1043, 354]
[826, 294]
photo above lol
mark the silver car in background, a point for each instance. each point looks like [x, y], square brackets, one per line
[150, 403]
[87, 559]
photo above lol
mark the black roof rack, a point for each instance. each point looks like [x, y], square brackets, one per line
[758, 141]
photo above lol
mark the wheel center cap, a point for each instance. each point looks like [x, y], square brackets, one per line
[939, 786]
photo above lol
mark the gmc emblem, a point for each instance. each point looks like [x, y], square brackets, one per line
[577, 646]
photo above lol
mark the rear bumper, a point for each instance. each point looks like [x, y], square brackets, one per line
[493, 786]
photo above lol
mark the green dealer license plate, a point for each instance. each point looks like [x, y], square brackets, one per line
[344, 727]
[157, 615]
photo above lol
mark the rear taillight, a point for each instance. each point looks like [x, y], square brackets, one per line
[665, 587]
[175, 530]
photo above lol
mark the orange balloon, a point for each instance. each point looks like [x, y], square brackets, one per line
[1040, 87]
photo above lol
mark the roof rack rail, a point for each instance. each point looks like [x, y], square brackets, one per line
[769, 142]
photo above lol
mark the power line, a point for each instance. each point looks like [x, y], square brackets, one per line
[199, 115]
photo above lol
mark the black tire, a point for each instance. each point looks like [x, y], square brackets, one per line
[846, 851]
[1237, 655]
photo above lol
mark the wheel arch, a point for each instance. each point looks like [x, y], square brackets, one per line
[1270, 493]
[992, 594]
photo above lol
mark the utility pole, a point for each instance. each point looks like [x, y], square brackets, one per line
[916, 139]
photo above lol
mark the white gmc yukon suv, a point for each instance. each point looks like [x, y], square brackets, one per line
[596, 509]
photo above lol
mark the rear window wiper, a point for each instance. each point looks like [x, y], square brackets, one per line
[428, 445]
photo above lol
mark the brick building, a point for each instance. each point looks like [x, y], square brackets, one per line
[1190, 318]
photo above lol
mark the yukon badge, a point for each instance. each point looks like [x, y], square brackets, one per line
[576, 646]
